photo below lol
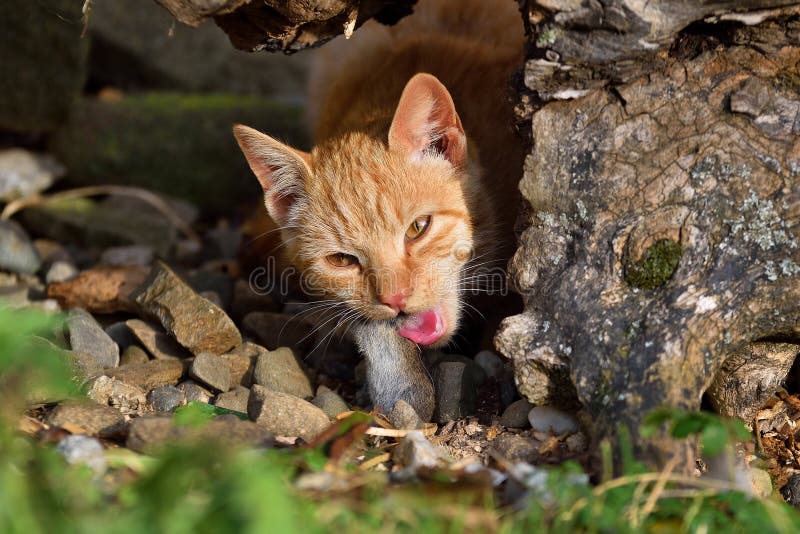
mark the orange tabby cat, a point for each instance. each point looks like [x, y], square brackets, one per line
[413, 173]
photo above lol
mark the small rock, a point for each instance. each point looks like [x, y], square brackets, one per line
[235, 399]
[88, 418]
[403, 416]
[516, 448]
[760, 482]
[275, 330]
[128, 255]
[83, 365]
[156, 341]
[146, 434]
[551, 420]
[211, 370]
[577, 442]
[133, 354]
[194, 392]
[415, 452]
[103, 289]
[86, 335]
[121, 335]
[60, 271]
[791, 491]
[23, 173]
[455, 392]
[516, 415]
[477, 374]
[242, 363]
[193, 321]
[490, 362]
[166, 398]
[329, 402]
[285, 415]
[124, 397]
[17, 253]
[149, 375]
[279, 370]
[78, 449]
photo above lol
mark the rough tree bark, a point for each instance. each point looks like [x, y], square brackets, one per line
[661, 251]
[287, 25]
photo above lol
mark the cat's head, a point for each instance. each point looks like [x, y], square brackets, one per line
[382, 225]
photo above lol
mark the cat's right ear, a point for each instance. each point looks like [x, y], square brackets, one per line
[279, 168]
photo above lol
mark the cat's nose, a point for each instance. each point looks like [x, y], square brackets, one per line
[397, 302]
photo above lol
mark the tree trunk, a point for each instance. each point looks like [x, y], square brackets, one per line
[664, 187]
[286, 24]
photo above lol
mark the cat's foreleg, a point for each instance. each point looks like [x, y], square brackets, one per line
[395, 370]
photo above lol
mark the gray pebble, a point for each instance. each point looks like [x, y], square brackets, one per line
[279, 370]
[490, 362]
[552, 421]
[455, 391]
[415, 452]
[194, 392]
[329, 402]
[60, 271]
[212, 371]
[235, 399]
[285, 415]
[17, 253]
[516, 415]
[133, 354]
[403, 416]
[166, 398]
[79, 449]
[86, 336]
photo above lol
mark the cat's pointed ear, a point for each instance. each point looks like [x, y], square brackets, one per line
[426, 121]
[279, 168]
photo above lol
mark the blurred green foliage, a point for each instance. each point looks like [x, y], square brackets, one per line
[204, 487]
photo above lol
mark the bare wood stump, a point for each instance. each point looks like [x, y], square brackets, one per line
[286, 24]
[664, 186]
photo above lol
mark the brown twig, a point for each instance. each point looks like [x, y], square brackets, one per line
[123, 190]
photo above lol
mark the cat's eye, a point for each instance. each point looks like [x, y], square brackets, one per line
[418, 227]
[341, 260]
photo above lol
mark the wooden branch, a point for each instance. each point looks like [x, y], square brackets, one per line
[285, 24]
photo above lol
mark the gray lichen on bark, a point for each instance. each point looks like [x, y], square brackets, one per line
[642, 155]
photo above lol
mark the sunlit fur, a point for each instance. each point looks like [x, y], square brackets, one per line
[385, 193]
[358, 195]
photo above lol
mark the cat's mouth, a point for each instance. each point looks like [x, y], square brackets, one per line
[424, 328]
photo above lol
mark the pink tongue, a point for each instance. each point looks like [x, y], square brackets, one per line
[425, 327]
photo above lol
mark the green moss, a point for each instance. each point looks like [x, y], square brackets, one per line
[179, 144]
[547, 37]
[86, 222]
[656, 265]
